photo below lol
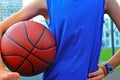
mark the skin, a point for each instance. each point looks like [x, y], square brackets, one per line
[39, 7]
[112, 9]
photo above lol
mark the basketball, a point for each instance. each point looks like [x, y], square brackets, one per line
[28, 48]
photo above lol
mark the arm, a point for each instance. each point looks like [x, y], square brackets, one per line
[34, 8]
[112, 8]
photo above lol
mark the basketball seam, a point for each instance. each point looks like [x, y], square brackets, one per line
[9, 37]
[41, 59]
[46, 48]
[33, 72]
[21, 62]
[34, 46]
[27, 35]
[30, 51]
[12, 55]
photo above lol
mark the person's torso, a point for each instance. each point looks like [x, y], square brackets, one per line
[77, 28]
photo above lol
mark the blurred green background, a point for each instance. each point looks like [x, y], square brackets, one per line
[106, 53]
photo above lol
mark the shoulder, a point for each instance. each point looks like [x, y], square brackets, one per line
[111, 4]
[112, 8]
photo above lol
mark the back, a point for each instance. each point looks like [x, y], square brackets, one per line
[77, 27]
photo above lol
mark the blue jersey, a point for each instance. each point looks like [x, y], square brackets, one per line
[77, 28]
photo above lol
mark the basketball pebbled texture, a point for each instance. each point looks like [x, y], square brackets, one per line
[28, 48]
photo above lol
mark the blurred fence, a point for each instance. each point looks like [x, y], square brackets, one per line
[9, 7]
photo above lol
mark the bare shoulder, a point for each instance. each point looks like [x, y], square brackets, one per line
[112, 8]
[111, 4]
[43, 3]
[36, 7]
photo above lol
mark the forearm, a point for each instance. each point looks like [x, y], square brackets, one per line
[1, 63]
[5, 24]
[19, 16]
[113, 61]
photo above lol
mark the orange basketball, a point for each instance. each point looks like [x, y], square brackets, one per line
[28, 48]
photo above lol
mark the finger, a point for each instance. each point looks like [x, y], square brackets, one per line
[95, 73]
[15, 76]
[18, 76]
[18, 79]
[100, 77]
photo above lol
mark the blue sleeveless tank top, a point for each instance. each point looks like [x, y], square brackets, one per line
[77, 28]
